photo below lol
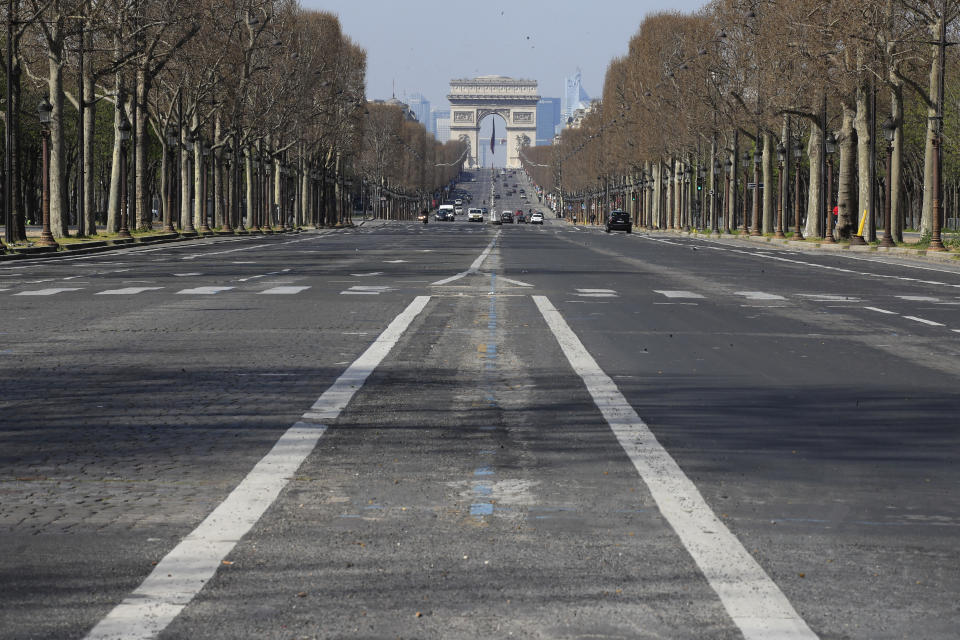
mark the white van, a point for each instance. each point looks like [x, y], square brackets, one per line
[445, 213]
[474, 215]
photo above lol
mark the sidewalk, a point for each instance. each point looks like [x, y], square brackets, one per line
[815, 246]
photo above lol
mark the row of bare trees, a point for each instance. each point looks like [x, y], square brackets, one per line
[263, 97]
[708, 98]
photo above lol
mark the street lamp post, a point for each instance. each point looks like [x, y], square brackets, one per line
[188, 228]
[204, 154]
[745, 223]
[798, 232]
[171, 180]
[231, 200]
[44, 110]
[716, 201]
[781, 188]
[123, 129]
[255, 198]
[831, 146]
[757, 158]
[268, 194]
[889, 130]
[728, 198]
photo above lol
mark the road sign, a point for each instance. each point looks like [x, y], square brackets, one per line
[753, 185]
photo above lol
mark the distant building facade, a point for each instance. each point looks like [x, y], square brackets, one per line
[548, 117]
[420, 107]
[440, 124]
[574, 97]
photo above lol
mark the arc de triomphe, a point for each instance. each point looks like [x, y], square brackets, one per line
[472, 99]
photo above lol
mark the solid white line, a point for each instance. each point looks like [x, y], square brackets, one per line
[217, 253]
[182, 573]
[753, 600]
[516, 282]
[473, 267]
[924, 321]
[879, 310]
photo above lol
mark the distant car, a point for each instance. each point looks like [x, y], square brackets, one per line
[522, 219]
[536, 218]
[474, 215]
[619, 221]
[506, 217]
[458, 210]
[483, 210]
[458, 202]
[494, 218]
[444, 211]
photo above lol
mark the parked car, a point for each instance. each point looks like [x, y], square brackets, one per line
[506, 217]
[619, 221]
[536, 218]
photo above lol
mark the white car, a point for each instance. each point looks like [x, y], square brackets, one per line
[458, 211]
[474, 215]
[536, 218]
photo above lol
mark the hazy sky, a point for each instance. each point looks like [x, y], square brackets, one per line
[421, 44]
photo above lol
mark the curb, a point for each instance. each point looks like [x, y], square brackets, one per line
[98, 246]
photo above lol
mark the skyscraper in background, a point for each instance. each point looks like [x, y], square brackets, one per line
[548, 117]
[440, 124]
[574, 97]
[420, 107]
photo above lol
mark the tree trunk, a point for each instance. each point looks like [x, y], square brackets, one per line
[769, 188]
[16, 177]
[864, 134]
[59, 215]
[814, 153]
[144, 208]
[88, 206]
[926, 216]
[896, 210]
[113, 204]
[846, 171]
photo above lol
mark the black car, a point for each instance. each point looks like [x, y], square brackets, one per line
[619, 221]
[506, 218]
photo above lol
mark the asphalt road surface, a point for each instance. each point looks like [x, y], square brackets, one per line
[462, 430]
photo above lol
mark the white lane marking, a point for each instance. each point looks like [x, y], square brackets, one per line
[596, 293]
[474, 266]
[879, 310]
[394, 261]
[753, 600]
[919, 298]
[185, 275]
[182, 573]
[519, 283]
[924, 321]
[363, 290]
[678, 294]
[216, 253]
[759, 295]
[283, 290]
[204, 290]
[365, 275]
[828, 297]
[128, 291]
[47, 292]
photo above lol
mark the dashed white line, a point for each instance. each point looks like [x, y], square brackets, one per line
[753, 600]
[925, 321]
[183, 572]
[128, 291]
[283, 290]
[203, 290]
[879, 310]
[47, 292]
[678, 294]
[759, 295]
